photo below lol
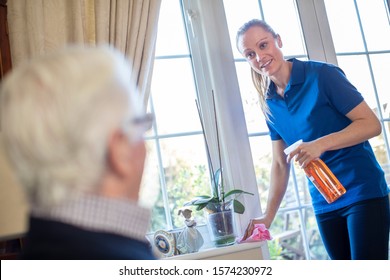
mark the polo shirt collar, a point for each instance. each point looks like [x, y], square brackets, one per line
[297, 72]
[297, 77]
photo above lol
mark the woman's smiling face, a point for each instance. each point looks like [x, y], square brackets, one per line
[262, 50]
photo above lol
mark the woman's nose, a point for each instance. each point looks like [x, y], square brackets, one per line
[258, 57]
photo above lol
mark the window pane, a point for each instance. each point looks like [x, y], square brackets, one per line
[385, 162]
[381, 68]
[286, 233]
[379, 147]
[357, 71]
[290, 199]
[344, 26]
[285, 21]
[186, 173]
[261, 148]
[173, 93]
[172, 101]
[158, 218]
[302, 183]
[375, 24]
[150, 194]
[262, 157]
[171, 36]
[250, 10]
[288, 242]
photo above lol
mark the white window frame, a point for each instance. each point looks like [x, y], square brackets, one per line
[316, 30]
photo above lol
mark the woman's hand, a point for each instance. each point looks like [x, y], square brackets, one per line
[249, 230]
[305, 153]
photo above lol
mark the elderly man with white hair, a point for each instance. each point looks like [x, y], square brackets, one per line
[73, 131]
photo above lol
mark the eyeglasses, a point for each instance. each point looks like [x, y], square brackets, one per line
[144, 122]
[137, 126]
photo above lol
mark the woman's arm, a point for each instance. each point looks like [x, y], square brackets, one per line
[364, 126]
[280, 171]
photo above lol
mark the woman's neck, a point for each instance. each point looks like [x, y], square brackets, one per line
[282, 77]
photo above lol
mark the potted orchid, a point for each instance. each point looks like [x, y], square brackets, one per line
[219, 200]
[220, 208]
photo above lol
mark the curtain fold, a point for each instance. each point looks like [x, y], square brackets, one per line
[41, 26]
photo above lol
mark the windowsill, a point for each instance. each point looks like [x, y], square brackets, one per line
[251, 250]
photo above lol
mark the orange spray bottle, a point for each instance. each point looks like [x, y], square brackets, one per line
[321, 176]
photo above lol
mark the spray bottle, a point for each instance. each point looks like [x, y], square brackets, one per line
[321, 176]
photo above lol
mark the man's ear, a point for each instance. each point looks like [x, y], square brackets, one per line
[118, 153]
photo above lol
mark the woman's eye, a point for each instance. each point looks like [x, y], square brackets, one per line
[250, 55]
[263, 46]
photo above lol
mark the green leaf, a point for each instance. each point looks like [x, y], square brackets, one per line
[201, 196]
[203, 200]
[238, 207]
[201, 206]
[236, 191]
[217, 179]
[217, 176]
[196, 199]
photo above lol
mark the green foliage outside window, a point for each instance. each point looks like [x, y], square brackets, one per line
[183, 183]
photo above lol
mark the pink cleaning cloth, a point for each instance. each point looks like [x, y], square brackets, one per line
[259, 233]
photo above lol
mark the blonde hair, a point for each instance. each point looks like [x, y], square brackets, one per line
[56, 114]
[260, 82]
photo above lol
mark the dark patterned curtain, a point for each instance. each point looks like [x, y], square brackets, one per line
[5, 54]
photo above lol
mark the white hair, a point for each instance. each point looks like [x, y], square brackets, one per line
[57, 112]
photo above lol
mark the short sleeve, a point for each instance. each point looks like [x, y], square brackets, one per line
[272, 131]
[341, 93]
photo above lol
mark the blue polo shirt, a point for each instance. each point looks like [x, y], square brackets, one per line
[316, 101]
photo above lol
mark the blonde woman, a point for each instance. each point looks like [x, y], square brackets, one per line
[314, 101]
